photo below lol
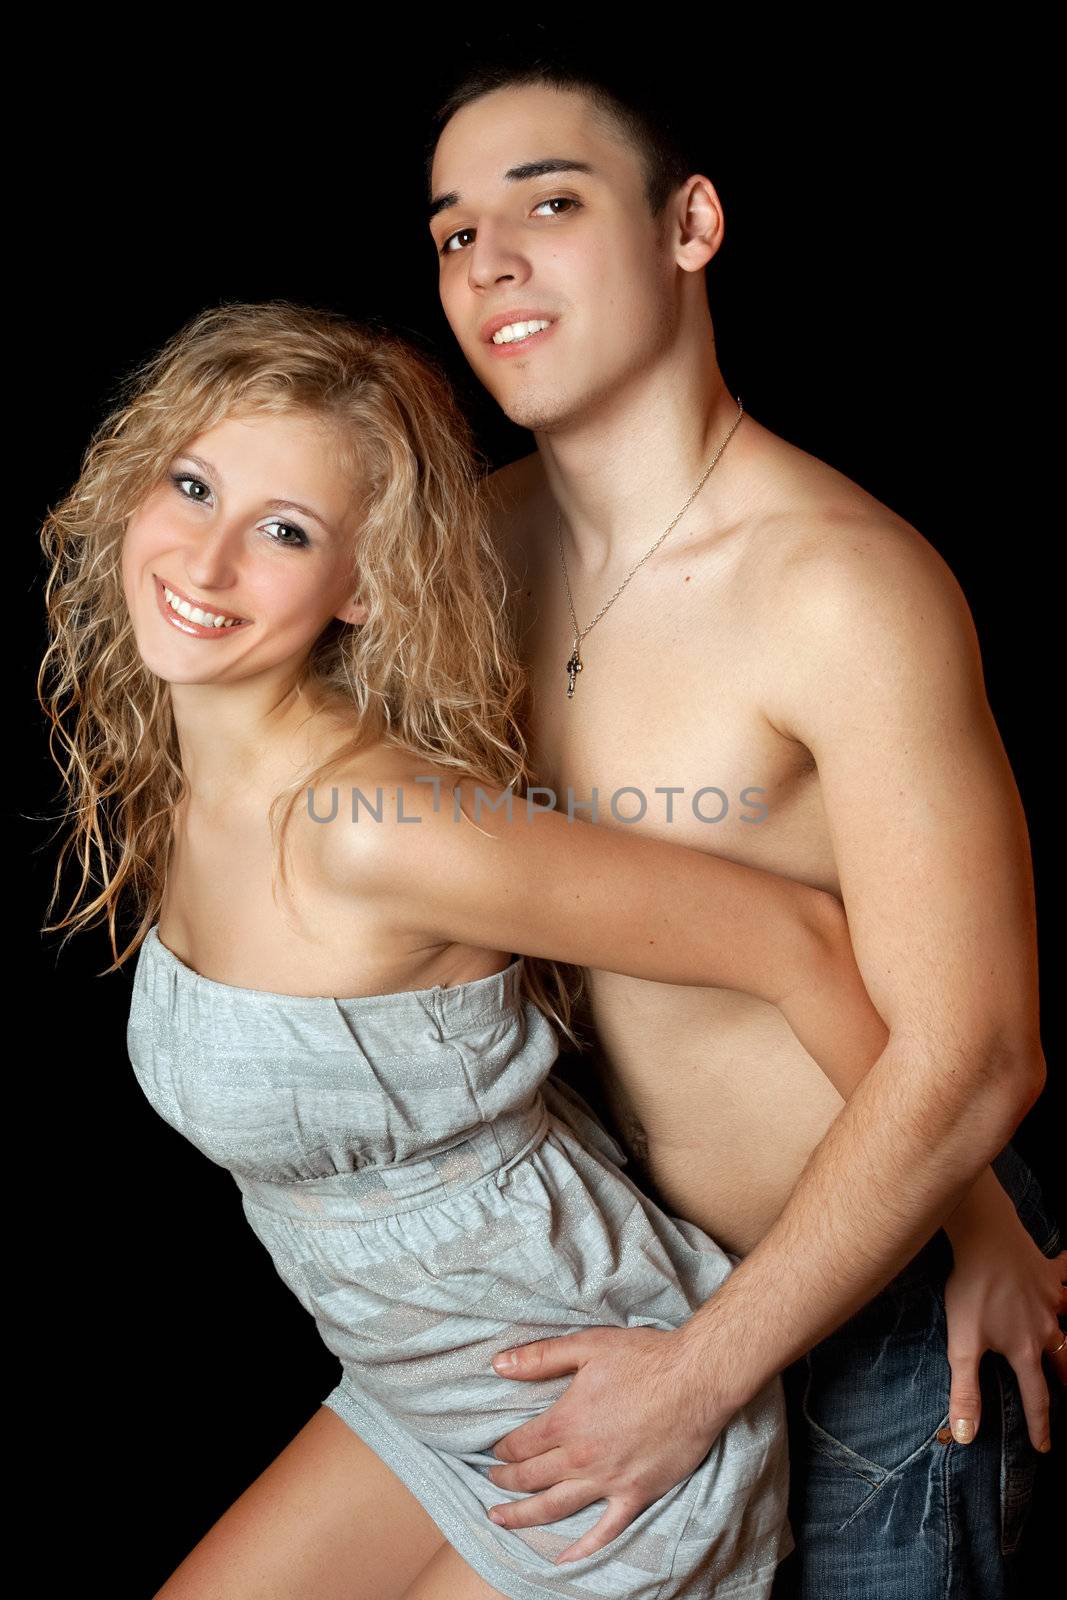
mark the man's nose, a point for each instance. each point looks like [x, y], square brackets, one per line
[495, 256]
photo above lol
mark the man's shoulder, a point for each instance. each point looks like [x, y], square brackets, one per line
[809, 531]
[837, 584]
[862, 606]
[861, 561]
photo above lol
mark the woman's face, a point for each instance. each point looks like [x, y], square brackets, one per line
[254, 520]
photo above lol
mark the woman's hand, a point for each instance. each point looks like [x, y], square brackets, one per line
[1003, 1294]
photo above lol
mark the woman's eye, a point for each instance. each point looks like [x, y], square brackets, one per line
[299, 542]
[301, 537]
[559, 199]
[178, 478]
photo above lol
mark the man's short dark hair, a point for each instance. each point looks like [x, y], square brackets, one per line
[629, 101]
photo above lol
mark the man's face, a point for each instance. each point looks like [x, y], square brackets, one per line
[576, 248]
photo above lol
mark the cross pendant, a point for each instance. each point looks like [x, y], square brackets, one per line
[574, 666]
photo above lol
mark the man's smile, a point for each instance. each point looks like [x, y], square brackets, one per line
[520, 339]
[517, 329]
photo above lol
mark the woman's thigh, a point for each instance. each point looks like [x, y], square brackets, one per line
[448, 1577]
[327, 1520]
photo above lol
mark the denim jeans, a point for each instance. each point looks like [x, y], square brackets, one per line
[882, 1505]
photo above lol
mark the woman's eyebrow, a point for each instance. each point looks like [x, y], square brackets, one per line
[528, 169]
[272, 505]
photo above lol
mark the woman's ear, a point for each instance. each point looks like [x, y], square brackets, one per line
[354, 611]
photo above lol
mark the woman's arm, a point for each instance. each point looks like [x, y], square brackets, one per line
[541, 885]
[628, 903]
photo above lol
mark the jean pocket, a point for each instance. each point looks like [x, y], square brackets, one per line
[876, 1390]
[1017, 1179]
[1041, 1225]
[1018, 1461]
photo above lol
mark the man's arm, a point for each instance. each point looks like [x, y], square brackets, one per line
[878, 673]
[881, 680]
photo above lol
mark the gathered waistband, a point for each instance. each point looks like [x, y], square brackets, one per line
[345, 1197]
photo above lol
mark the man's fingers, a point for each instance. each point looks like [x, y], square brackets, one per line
[550, 1506]
[541, 1358]
[964, 1399]
[531, 1438]
[538, 1472]
[618, 1516]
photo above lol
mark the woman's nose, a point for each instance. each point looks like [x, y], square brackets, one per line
[213, 555]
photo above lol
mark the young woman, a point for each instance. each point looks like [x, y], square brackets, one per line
[273, 583]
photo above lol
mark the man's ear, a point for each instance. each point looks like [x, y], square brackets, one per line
[354, 611]
[700, 224]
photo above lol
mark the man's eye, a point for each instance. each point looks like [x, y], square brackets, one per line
[556, 200]
[445, 250]
[559, 199]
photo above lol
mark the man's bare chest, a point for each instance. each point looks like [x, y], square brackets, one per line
[665, 731]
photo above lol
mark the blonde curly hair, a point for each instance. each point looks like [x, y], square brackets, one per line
[433, 671]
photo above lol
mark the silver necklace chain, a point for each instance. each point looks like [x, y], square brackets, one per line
[574, 665]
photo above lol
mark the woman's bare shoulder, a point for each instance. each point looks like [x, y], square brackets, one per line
[512, 493]
[510, 485]
[379, 809]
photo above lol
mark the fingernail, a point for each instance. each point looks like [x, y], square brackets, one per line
[1045, 1446]
[494, 1516]
[963, 1430]
[504, 1361]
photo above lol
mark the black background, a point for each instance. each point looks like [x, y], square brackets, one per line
[881, 300]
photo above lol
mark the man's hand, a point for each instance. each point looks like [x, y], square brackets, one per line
[635, 1421]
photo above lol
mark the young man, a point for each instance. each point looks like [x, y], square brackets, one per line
[795, 644]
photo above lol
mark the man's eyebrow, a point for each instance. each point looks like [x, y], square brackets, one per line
[529, 169]
[272, 505]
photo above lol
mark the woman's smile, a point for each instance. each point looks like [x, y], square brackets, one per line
[202, 624]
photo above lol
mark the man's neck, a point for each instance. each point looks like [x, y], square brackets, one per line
[622, 473]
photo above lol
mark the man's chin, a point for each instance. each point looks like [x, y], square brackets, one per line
[540, 415]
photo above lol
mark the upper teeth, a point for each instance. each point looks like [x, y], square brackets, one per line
[517, 330]
[206, 619]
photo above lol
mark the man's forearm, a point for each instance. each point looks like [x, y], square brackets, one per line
[899, 1157]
